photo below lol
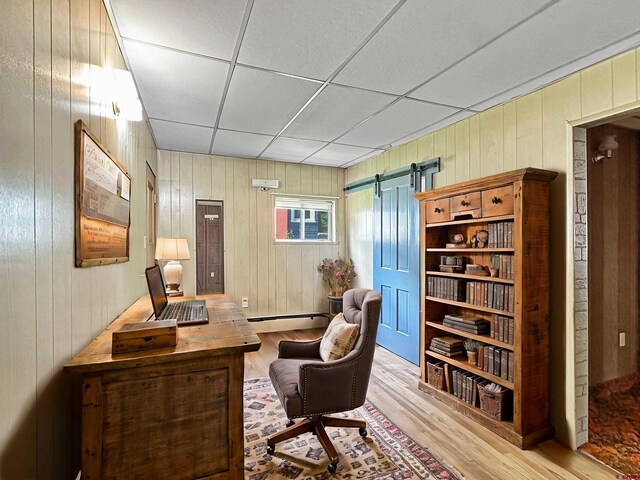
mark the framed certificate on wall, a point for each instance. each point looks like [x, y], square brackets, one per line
[103, 203]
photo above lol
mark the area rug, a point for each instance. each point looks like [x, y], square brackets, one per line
[614, 425]
[387, 453]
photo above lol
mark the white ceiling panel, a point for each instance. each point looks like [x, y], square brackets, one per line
[181, 137]
[456, 117]
[425, 37]
[239, 144]
[334, 111]
[291, 149]
[372, 153]
[201, 26]
[308, 37]
[177, 86]
[263, 102]
[556, 37]
[336, 155]
[402, 118]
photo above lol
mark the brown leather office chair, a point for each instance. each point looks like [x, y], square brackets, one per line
[310, 388]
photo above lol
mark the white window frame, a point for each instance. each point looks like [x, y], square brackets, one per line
[310, 205]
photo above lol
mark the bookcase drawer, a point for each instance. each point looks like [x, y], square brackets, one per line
[497, 201]
[466, 204]
[438, 210]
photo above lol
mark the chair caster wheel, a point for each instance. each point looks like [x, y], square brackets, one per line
[271, 449]
[332, 467]
[290, 423]
[363, 432]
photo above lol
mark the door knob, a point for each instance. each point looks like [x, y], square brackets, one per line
[496, 200]
[464, 203]
[437, 210]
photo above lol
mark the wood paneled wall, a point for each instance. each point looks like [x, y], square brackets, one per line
[613, 201]
[50, 51]
[530, 131]
[277, 278]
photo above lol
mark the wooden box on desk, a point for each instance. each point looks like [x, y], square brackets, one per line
[134, 337]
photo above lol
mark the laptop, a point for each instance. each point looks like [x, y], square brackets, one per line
[191, 312]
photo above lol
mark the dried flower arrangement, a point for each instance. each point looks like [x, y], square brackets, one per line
[339, 274]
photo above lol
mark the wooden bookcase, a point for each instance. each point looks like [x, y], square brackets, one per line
[520, 197]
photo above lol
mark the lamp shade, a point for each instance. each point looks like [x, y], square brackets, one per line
[172, 249]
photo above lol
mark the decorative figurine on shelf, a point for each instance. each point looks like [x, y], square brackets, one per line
[457, 240]
[480, 239]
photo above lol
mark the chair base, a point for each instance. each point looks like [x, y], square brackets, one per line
[316, 425]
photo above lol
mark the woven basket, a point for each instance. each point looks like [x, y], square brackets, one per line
[435, 376]
[496, 405]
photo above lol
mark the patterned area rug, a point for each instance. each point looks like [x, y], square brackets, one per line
[614, 424]
[387, 453]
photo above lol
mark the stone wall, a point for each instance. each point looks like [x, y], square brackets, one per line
[580, 308]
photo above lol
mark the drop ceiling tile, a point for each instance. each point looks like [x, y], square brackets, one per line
[291, 149]
[425, 37]
[200, 26]
[308, 37]
[336, 155]
[402, 118]
[177, 86]
[239, 144]
[181, 137]
[263, 102]
[558, 36]
[373, 153]
[334, 111]
[456, 117]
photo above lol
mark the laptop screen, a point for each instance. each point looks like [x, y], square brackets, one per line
[156, 289]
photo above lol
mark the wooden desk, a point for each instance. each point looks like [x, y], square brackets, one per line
[173, 413]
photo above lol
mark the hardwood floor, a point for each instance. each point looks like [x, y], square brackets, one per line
[474, 451]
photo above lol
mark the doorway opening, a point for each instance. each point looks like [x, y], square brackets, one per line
[209, 247]
[610, 219]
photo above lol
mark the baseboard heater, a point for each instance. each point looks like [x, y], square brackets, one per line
[310, 315]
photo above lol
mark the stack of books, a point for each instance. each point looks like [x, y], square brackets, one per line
[466, 323]
[492, 295]
[447, 346]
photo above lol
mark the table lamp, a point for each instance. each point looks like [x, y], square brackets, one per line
[172, 250]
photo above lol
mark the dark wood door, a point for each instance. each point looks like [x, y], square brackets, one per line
[209, 247]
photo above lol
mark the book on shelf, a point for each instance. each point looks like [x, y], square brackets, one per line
[511, 338]
[489, 366]
[465, 318]
[446, 353]
[447, 341]
[485, 363]
[504, 365]
[447, 377]
[511, 365]
[481, 357]
[496, 361]
[476, 330]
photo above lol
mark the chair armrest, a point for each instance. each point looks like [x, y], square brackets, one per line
[295, 349]
[327, 387]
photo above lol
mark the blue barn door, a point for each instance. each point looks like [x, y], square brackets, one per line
[396, 266]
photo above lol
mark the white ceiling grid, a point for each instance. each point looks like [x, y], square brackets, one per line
[333, 82]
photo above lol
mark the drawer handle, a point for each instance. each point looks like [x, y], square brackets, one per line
[464, 203]
[438, 210]
[496, 200]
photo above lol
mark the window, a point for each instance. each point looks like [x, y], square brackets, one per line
[309, 219]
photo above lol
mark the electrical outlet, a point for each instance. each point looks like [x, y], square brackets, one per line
[623, 339]
[245, 302]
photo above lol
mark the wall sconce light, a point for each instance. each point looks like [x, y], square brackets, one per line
[125, 97]
[607, 145]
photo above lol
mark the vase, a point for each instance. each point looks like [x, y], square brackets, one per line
[335, 304]
[472, 357]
